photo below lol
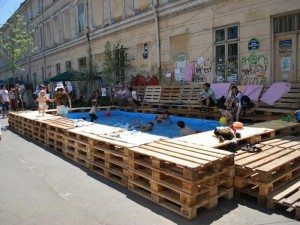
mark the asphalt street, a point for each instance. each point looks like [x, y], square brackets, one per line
[38, 186]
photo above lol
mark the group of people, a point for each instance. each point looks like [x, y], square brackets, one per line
[231, 107]
[61, 99]
[10, 99]
[124, 97]
[159, 118]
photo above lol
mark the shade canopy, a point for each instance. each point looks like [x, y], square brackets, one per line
[11, 81]
[68, 76]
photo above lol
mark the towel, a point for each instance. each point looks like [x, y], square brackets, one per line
[275, 92]
[220, 89]
[253, 91]
[188, 71]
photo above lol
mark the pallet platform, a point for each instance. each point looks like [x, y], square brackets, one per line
[181, 174]
[182, 177]
[265, 171]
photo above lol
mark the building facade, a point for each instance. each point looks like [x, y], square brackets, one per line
[248, 42]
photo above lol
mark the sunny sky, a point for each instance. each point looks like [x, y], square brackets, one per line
[7, 8]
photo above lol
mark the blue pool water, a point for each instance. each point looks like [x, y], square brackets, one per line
[166, 128]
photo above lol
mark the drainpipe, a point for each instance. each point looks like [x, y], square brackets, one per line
[153, 7]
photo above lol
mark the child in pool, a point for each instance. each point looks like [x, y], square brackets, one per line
[143, 128]
[185, 130]
[93, 111]
[162, 117]
[42, 100]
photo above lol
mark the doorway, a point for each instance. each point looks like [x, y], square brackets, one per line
[286, 29]
[286, 57]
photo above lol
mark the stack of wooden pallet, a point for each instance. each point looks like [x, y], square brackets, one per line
[109, 158]
[260, 173]
[180, 176]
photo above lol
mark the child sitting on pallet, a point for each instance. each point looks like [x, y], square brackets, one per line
[42, 100]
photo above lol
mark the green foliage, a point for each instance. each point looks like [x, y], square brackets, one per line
[115, 63]
[16, 43]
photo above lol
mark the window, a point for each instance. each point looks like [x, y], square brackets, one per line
[40, 5]
[30, 13]
[68, 65]
[41, 38]
[227, 53]
[57, 68]
[82, 64]
[81, 19]
[43, 74]
[286, 23]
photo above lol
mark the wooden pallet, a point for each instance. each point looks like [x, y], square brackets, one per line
[170, 94]
[173, 201]
[267, 170]
[152, 94]
[287, 196]
[292, 142]
[181, 159]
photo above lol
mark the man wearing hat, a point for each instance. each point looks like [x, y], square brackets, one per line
[62, 99]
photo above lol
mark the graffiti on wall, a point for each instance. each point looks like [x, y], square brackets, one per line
[254, 69]
[203, 70]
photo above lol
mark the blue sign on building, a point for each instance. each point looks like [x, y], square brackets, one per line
[285, 44]
[253, 44]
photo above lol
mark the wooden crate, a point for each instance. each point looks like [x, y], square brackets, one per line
[288, 196]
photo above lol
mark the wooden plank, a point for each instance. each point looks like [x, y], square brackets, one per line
[270, 158]
[284, 191]
[185, 152]
[276, 140]
[292, 199]
[279, 162]
[254, 157]
[209, 150]
[165, 157]
[177, 155]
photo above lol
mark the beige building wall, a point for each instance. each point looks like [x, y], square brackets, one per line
[184, 26]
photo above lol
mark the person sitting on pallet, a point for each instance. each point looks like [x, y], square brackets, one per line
[247, 106]
[206, 98]
[134, 97]
[233, 101]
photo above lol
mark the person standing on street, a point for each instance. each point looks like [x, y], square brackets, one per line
[4, 99]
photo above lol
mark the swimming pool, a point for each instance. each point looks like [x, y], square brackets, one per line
[168, 129]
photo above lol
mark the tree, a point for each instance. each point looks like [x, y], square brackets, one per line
[115, 63]
[16, 44]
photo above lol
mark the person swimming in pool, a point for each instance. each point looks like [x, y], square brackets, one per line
[163, 117]
[148, 127]
[185, 130]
